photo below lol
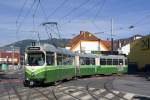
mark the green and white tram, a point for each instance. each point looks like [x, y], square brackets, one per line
[45, 63]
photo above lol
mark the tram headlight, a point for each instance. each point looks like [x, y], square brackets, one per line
[27, 79]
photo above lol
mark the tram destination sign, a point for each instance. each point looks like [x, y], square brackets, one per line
[33, 48]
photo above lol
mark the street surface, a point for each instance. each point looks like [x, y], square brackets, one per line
[124, 87]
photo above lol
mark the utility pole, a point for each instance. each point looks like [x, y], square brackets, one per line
[111, 36]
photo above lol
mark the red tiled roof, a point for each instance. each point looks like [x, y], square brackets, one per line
[106, 43]
[87, 36]
[82, 36]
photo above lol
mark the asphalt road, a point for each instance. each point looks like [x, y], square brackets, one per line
[125, 87]
[134, 84]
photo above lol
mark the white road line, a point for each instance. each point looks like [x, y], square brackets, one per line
[102, 90]
[66, 97]
[129, 96]
[80, 87]
[116, 92]
[91, 89]
[86, 97]
[63, 88]
[109, 96]
[76, 93]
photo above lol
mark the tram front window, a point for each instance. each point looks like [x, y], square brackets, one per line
[36, 59]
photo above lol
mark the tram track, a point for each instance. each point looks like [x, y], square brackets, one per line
[86, 90]
[55, 94]
[10, 86]
[109, 83]
[94, 95]
[36, 91]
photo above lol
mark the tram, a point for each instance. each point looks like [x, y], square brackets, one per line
[46, 63]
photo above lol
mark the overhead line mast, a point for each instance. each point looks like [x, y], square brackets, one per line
[112, 36]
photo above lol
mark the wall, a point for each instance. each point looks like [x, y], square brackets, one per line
[125, 49]
[89, 46]
[140, 52]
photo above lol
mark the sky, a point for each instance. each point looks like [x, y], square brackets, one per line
[23, 19]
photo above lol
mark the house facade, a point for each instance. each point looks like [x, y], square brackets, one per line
[86, 42]
[125, 45]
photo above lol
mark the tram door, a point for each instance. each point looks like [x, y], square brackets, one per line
[77, 66]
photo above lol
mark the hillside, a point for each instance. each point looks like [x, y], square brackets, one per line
[24, 43]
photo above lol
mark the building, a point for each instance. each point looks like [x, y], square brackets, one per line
[86, 42]
[9, 57]
[124, 45]
[140, 53]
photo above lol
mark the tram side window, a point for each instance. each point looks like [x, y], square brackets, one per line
[92, 61]
[120, 61]
[82, 61]
[102, 61]
[59, 59]
[115, 61]
[87, 60]
[50, 58]
[67, 60]
[109, 61]
[126, 61]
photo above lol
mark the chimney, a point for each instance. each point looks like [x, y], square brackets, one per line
[82, 32]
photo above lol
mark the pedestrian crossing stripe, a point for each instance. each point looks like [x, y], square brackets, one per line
[62, 93]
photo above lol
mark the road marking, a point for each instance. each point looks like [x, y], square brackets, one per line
[129, 96]
[76, 93]
[86, 97]
[109, 96]
[63, 88]
[116, 92]
[71, 90]
[66, 97]
[91, 89]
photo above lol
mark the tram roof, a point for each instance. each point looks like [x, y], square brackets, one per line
[51, 48]
[48, 47]
[86, 55]
[64, 51]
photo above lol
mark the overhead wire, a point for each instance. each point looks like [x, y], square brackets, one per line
[85, 12]
[33, 17]
[99, 10]
[21, 11]
[98, 13]
[75, 9]
[57, 8]
[44, 13]
[52, 27]
[19, 15]
[26, 15]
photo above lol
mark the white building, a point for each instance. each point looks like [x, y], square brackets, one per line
[87, 42]
[124, 45]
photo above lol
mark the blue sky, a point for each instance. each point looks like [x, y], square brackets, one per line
[72, 17]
